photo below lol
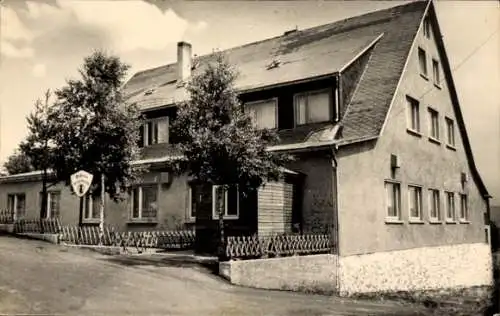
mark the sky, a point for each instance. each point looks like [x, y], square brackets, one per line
[43, 42]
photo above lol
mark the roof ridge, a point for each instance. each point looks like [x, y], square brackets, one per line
[348, 19]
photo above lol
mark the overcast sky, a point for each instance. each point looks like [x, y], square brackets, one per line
[43, 42]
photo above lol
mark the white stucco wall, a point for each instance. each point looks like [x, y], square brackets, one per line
[455, 266]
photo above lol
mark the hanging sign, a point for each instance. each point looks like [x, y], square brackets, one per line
[81, 181]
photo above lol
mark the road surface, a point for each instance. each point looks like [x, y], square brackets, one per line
[41, 278]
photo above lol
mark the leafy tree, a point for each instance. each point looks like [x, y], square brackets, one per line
[219, 142]
[38, 145]
[18, 163]
[96, 130]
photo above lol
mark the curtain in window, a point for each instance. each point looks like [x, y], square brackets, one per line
[54, 204]
[263, 114]
[162, 130]
[318, 107]
[149, 201]
[232, 201]
[135, 203]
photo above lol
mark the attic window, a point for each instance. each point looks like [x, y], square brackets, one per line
[274, 64]
[427, 28]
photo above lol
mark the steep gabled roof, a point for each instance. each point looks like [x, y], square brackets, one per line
[315, 52]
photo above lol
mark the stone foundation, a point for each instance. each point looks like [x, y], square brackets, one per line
[455, 266]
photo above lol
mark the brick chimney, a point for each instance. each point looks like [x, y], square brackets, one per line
[184, 62]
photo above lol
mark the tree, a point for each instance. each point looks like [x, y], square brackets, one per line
[218, 140]
[96, 130]
[38, 146]
[18, 163]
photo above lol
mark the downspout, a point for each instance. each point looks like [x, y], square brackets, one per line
[335, 233]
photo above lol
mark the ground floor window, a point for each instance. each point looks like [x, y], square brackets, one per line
[16, 204]
[226, 199]
[450, 206]
[144, 200]
[434, 205]
[415, 202]
[393, 200]
[192, 201]
[53, 204]
[91, 209]
[464, 208]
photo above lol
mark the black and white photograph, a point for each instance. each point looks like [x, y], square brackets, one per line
[281, 158]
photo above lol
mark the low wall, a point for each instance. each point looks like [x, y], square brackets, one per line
[455, 266]
[53, 238]
[314, 273]
[7, 228]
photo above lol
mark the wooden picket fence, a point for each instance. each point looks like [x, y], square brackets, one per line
[37, 225]
[277, 245]
[90, 235]
[6, 217]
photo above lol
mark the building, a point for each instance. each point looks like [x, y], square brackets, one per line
[368, 107]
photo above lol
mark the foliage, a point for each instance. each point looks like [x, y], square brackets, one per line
[95, 129]
[18, 163]
[218, 140]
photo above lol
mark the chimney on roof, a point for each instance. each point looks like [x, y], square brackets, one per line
[184, 62]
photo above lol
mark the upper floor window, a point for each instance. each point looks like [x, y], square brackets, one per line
[227, 199]
[413, 114]
[436, 75]
[16, 204]
[312, 107]
[427, 28]
[154, 131]
[450, 132]
[422, 61]
[393, 200]
[415, 202]
[144, 201]
[53, 204]
[434, 123]
[262, 113]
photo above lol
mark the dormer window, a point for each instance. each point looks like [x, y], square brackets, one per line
[263, 113]
[312, 107]
[154, 131]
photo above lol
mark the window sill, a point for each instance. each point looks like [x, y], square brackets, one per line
[415, 221]
[435, 222]
[142, 221]
[191, 220]
[437, 86]
[414, 132]
[226, 217]
[424, 76]
[434, 140]
[451, 147]
[389, 220]
[449, 221]
[463, 221]
[90, 221]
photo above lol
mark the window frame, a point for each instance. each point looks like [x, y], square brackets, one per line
[425, 71]
[434, 205]
[256, 102]
[215, 214]
[436, 73]
[13, 211]
[140, 216]
[49, 211]
[464, 219]
[419, 205]
[435, 138]
[88, 209]
[145, 134]
[412, 103]
[328, 91]
[398, 217]
[453, 217]
[190, 205]
[426, 27]
[450, 123]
